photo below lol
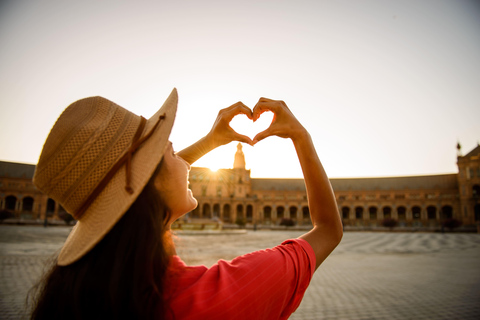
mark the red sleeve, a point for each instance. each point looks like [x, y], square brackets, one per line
[266, 284]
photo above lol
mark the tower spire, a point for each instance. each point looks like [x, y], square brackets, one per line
[239, 162]
[459, 149]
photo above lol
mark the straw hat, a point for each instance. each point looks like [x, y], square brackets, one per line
[95, 162]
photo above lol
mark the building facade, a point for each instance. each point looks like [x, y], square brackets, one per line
[232, 196]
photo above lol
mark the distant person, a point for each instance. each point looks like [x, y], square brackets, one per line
[119, 176]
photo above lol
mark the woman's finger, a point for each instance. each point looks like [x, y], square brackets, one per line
[236, 109]
[264, 105]
[262, 135]
[244, 139]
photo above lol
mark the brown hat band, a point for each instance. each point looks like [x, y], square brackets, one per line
[125, 159]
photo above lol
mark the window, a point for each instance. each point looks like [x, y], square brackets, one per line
[359, 213]
[345, 212]
[387, 212]
[416, 212]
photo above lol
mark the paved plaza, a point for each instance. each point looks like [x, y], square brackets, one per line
[369, 276]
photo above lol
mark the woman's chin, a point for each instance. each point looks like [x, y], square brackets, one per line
[192, 200]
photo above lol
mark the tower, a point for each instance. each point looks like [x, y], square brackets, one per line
[239, 162]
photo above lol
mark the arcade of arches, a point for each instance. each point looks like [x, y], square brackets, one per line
[19, 196]
[232, 196]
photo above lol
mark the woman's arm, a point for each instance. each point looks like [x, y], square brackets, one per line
[327, 226]
[220, 134]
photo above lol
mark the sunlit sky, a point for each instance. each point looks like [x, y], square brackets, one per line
[385, 88]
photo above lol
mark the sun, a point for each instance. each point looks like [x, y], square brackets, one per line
[214, 169]
[220, 158]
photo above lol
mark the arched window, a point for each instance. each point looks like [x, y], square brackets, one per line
[280, 212]
[239, 211]
[293, 212]
[416, 213]
[226, 213]
[27, 204]
[249, 213]
[345, 212]
[216, 210]
[359, 213]
[11, 203]
[476, 191]
[402, 213]
[373, 213]
[50, 207]
[387, 212]
[306, 213]
[267, 212]
[431, 213]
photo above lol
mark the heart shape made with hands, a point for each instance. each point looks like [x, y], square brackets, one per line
[242, 125]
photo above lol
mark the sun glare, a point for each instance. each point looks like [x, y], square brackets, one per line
[220, 158]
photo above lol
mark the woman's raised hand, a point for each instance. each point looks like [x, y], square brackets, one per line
[221, 132]
[284, 123]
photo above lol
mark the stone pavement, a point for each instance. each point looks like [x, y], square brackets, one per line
[369, 276]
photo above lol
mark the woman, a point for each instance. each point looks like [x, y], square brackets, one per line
[118, 175]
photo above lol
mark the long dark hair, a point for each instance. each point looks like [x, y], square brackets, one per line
[122, 277]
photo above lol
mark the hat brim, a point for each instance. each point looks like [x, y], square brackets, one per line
[112, 203]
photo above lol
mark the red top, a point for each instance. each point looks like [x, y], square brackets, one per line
[266, 284]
